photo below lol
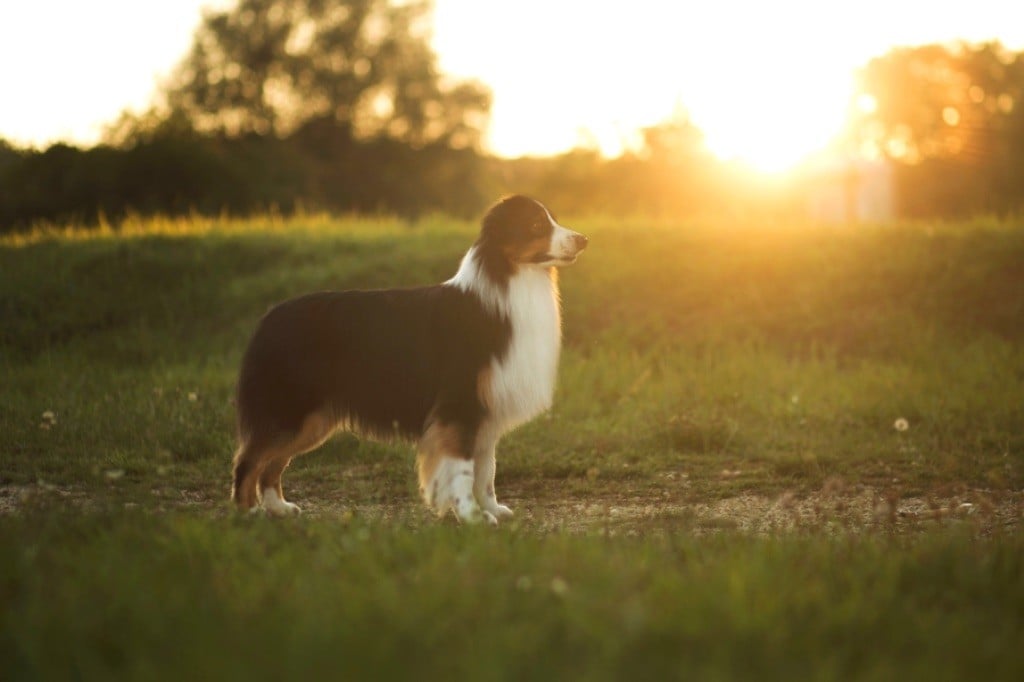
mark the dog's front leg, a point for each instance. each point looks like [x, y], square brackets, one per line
[485, 464]
[446, 478]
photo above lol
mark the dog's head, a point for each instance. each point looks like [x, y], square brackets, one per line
[525, 234]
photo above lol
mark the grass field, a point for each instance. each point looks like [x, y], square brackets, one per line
[719, 492]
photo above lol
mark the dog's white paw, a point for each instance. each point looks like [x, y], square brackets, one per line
[275, 506]
[467, 510]
[490, 504]
[500, 511]
[476, 515]
[285, 509]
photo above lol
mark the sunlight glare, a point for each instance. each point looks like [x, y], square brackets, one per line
[766, 99]
[767, 83]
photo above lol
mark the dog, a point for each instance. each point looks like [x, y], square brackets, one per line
[451, 367]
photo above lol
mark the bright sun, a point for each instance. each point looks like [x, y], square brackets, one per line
[763, 99]
[764, 89]
[774, 118]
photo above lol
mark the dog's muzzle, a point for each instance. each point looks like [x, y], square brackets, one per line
[578, 242]
[564, 249]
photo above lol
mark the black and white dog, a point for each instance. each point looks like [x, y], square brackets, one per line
[452, 366]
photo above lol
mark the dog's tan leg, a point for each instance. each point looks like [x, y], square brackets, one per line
[249, 461]
[446, 477]
[271, 491]
[316, 429]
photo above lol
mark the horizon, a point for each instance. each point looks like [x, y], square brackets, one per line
[593, 97]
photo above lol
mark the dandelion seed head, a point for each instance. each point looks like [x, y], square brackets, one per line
[901, 424]
[192, 397]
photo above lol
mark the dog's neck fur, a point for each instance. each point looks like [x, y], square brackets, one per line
[495, 286]
[523, 378]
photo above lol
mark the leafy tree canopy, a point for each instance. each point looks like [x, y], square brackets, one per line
[940, 101]
[270, 66]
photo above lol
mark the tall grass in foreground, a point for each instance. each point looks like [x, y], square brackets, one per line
[132, 596]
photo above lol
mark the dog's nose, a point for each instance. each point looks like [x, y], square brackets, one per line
[581, 241]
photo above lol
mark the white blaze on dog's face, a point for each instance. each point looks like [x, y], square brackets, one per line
[565, 245]
[526, 232]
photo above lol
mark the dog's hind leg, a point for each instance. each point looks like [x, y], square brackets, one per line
[316, 429]
[250, 459]
[271, 491]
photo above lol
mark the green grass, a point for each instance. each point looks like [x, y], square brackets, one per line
[716, 378]
[786, 353]
[183, 597]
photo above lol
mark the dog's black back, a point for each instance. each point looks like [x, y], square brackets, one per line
[382, 360]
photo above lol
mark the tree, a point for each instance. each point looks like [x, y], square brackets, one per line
[9, 155]
[939, 101]
[953, 117]
[270, 66]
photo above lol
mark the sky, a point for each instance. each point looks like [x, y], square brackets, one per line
[766, 81]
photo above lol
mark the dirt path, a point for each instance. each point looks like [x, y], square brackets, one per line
[828, 510]
[823, 511]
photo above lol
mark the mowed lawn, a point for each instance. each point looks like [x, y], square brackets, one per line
[776, 451]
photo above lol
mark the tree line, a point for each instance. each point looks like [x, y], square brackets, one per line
[951, 121]
[339, 105]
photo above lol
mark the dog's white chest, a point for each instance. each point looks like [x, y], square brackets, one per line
[523, 380]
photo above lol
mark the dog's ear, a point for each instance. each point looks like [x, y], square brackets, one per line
[512, 214]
